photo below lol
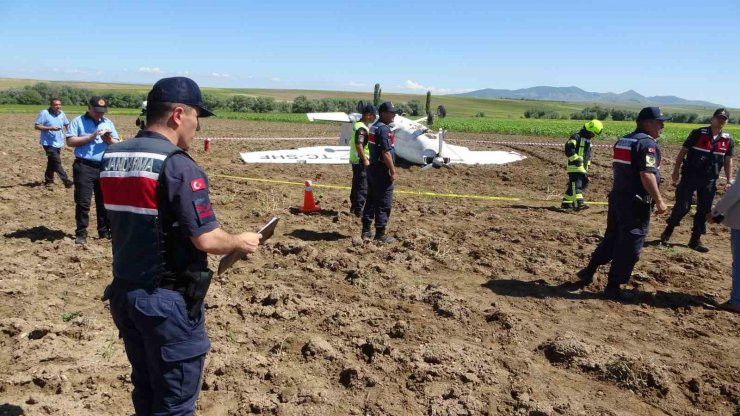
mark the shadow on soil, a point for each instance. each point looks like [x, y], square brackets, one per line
[38, 233]
[35, 184]
[309, 235]
[573, 291]
[322, 213]
[10, 410]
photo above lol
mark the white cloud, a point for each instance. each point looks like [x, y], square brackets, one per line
[358, 84]
[415, 86]
[275, 79]
[150, 70]
[220, 75]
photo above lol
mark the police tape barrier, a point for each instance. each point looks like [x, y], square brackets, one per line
[402, 191]
[505, 143]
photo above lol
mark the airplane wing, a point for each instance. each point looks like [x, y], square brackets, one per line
[315, 155]
[465, 156]
[336, 116]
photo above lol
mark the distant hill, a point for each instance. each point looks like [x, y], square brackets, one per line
[575, 94]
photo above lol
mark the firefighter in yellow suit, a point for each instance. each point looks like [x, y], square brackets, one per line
[578, 151]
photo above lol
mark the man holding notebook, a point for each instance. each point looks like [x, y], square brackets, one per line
[162, 226]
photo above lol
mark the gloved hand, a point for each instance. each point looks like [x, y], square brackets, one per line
[578, 162]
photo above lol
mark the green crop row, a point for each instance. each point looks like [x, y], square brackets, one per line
[673, 132]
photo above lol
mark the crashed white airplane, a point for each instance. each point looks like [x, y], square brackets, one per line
[413, 142]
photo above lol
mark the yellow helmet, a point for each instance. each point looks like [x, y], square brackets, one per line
[594, 126]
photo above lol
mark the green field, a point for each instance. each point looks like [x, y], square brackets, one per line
[501, 116]
[673, 133]
[456, 106]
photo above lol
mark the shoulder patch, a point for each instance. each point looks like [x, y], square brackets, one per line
[197, 184]
[650, 161]
[651, 150]
[203, 211]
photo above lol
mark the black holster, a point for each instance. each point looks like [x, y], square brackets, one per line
[196, 288]
[643, 206]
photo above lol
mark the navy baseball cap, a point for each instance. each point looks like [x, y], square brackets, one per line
[387, 106]
[178, 90]
[652, 113]
[721, 112]
[99, 104]
[369, 109]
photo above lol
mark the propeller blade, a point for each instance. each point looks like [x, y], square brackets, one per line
[441, 137]
[427, 166]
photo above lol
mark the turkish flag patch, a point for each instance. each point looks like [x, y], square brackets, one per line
[198, 184]
[651, 150]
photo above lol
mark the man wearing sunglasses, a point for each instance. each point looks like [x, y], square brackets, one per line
[703, 155]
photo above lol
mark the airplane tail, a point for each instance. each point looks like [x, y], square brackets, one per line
[344, 118]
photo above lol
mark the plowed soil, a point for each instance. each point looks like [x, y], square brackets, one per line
[465, 315]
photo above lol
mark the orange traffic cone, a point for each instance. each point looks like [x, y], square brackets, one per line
[308, 203]
[207, 144]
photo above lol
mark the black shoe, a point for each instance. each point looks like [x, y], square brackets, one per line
[366, 235]
[381, 236]
[104, 235]
[586, 275]
[565, 205]
[697, 245]
[81, 240]
[385, 238]
[666, 235]
[68, 184]
[49, 185]
[581, 204]
[616, 294]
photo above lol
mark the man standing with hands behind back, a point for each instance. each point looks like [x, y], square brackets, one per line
[90, 134]
[381, 173]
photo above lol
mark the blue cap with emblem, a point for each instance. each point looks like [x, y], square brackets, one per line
[652, 113]
[178, 90]
[387, 106]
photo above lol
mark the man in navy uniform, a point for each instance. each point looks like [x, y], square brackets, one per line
[163, 225]
[90, 134]
[50, 123]
[636, 166]
[703, 155]
[381, 173]
[358, 158]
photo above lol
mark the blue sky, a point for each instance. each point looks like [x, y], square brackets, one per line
[683, 48]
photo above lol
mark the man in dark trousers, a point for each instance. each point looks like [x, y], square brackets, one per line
[636, 166]
[50, 123]
[358, 158]
[163, 225]
[90, 134]
[703, 155]
[381, 173]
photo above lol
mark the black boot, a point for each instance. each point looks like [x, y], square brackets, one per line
[586, 275]
[366, 235]
[666, 235]
[381, 236]
[696, 244]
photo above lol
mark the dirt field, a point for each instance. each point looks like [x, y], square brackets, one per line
[465, 315]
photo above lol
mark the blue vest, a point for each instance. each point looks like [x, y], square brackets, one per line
[625, 164]
[145, 246]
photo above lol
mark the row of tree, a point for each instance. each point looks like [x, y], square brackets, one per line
[602, 113]
[41, 93]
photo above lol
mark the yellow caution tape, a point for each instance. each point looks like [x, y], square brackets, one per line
[401, 191]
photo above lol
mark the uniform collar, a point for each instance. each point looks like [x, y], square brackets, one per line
[151, 134]
[639, 130]
[51, 111]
